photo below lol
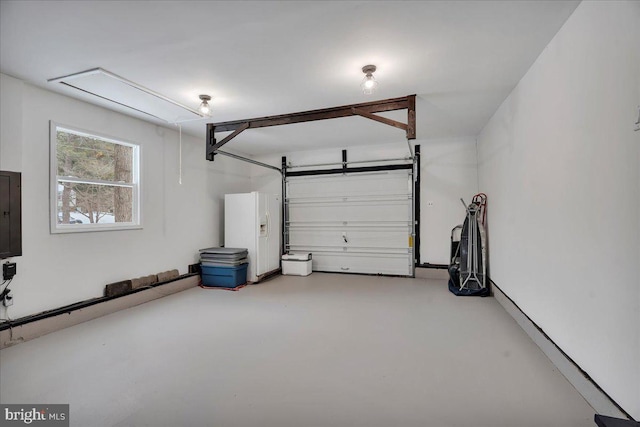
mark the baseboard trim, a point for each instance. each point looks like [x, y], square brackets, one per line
[437, 266]
[22, 330]
[431, 273]
[599, 400]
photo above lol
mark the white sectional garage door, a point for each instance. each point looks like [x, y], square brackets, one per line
[353, 223]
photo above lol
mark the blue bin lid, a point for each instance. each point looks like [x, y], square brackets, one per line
[224, 251]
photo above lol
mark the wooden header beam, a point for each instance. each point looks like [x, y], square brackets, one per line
[365, 109]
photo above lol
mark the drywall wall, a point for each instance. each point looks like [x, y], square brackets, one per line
[11, 129]
[449, 173]
[560, 163]
[448, 168]
[60, 269]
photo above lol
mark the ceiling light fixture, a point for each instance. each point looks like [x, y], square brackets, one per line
[204, 107]
[369, 83]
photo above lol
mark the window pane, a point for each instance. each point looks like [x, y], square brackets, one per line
[94, 204]
[91, 158]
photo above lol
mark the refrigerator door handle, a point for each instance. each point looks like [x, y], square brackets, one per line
[268, 233]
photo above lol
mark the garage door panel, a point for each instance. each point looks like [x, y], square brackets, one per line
[369, 184]
[349, 212]
[394, 238]
[373, 211]
[361, 263]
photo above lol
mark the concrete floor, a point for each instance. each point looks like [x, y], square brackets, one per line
[325, 350]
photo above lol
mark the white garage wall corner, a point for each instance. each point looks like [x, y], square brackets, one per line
[560, 164]
[449, 173]
[267, 180]
[56, 270]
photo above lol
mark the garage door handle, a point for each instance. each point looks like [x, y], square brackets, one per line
[344, 268]
[345, 239]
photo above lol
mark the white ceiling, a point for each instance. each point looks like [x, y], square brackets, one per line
[462, 58]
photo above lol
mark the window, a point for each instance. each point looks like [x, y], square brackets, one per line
[95, 182]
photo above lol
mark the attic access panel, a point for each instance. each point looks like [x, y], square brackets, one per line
[366, 110]
[125, 93]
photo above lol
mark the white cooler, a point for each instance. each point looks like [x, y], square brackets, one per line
[296, 264]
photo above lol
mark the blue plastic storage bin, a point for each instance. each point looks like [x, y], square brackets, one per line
[225, 277]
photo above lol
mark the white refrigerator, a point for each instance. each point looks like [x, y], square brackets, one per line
[252, 221]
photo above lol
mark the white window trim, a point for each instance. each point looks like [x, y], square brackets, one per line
[136, 184]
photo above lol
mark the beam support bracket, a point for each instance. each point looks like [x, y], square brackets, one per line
[380, 119]
[235, 133]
